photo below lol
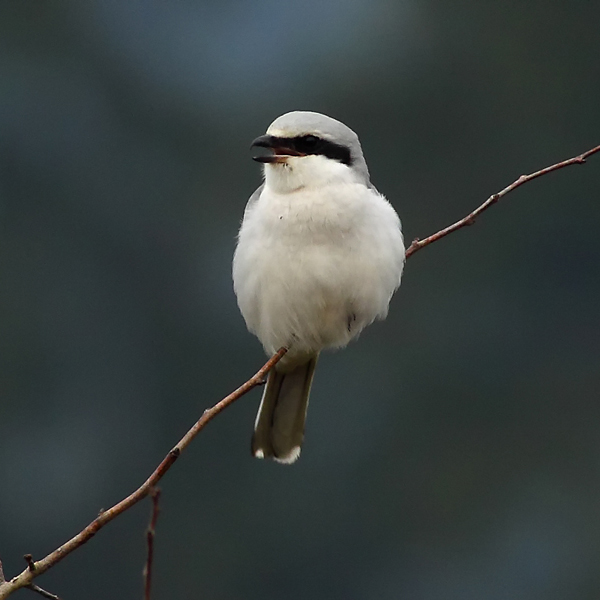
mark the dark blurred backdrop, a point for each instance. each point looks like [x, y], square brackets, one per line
[453, 452]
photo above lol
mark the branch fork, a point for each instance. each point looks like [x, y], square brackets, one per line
[34, 569]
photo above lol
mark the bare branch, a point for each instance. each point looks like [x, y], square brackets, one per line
[470, 218]
[150, 533]
[41, 591]
[34, 569]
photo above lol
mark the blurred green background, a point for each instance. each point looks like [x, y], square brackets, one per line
[453, 452]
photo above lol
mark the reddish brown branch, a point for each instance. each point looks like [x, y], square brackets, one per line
[470, 218]
[150, 533]
[34, 569]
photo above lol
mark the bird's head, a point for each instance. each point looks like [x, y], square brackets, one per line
[306, 149]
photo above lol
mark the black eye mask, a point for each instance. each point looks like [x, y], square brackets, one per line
[301, 146]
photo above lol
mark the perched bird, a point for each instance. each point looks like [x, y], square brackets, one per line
[319, 255]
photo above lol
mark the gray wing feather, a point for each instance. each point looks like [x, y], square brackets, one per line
[255, 196]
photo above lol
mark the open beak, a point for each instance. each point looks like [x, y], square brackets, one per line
[278, 151]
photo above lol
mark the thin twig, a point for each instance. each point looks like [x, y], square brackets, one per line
[41, 591]
[150, 533]
[470, 218]
[41, 566]
[25, 578]
[30, 562]
[2, 580]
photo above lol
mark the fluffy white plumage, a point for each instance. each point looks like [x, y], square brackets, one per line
[319, 255]
[311, 257]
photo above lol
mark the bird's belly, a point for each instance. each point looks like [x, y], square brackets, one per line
[316, 296]
[312, 269]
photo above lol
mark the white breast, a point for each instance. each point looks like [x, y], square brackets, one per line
[315, 266]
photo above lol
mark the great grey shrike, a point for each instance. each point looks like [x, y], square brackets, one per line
[319, 255]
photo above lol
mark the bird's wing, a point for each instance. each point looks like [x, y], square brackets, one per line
[255, 196]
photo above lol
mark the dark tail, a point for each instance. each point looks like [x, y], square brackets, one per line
[279, 427]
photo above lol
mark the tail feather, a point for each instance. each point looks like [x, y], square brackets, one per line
[279, 427]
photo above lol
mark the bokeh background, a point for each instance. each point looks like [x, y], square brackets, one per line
[453, 452]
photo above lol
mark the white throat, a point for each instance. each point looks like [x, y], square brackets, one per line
[313, 171]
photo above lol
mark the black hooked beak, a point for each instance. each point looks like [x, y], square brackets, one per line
[280, 149]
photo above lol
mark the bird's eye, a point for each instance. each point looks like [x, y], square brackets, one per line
[310, 141]
[307, 144]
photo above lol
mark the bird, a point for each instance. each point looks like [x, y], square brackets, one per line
[319, 254]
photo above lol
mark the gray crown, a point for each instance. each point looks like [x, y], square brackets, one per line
[300, 122]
